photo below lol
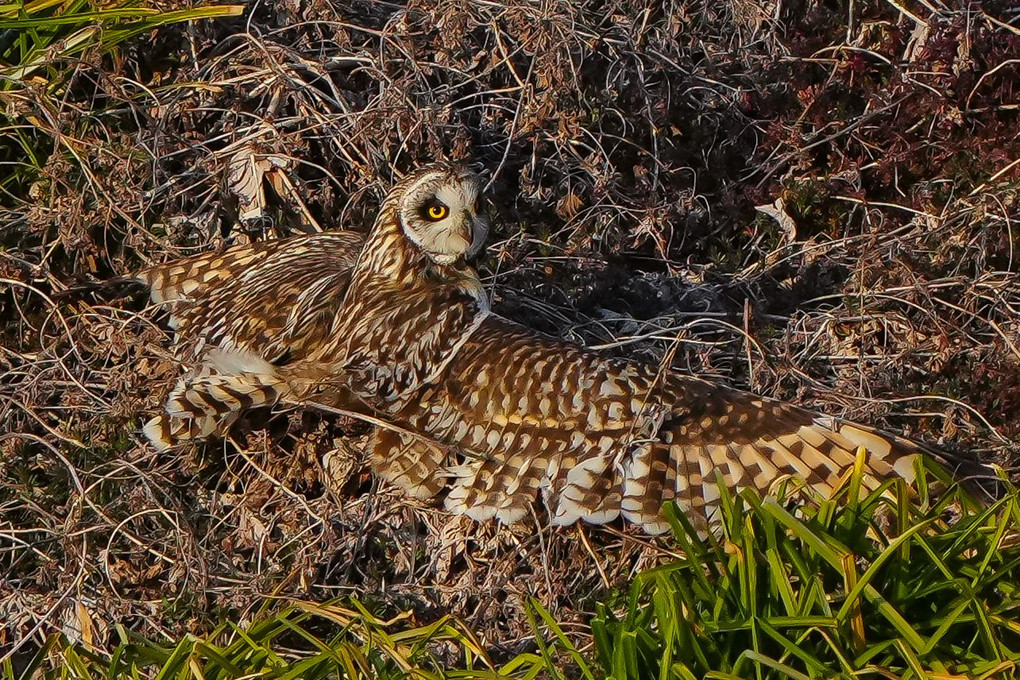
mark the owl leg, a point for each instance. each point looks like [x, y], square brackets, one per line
[416, 466]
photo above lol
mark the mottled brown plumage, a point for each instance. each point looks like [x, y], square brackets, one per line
[524, 415]
[498, 415]
[269, 297]
[275, 301]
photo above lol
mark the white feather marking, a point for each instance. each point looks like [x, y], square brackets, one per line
[875, 444]
[153, 431]
[481, 512]
[709, 487]
[655, 527]
[454, 501]
[629, 506]
[586, 471]
[566, 514]
[604, 516]
[511, 514]
[229, 361]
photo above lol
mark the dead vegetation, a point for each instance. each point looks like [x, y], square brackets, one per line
[813, 200]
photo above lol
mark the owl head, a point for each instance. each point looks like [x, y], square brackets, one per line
[439, 210]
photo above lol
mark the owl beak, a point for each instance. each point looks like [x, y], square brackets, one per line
[479, 231]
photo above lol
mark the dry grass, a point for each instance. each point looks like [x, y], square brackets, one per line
[627, 149]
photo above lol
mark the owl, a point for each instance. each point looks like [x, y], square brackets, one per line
[495, 416]
[273, 301]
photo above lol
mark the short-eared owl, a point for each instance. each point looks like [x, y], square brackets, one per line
[498, 415]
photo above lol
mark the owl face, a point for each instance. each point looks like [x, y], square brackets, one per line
[440, 212]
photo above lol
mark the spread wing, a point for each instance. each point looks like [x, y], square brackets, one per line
[600, 438]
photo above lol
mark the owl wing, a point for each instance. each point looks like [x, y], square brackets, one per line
[187, 278]
[716, 436]
[600, 438]
[238, 313]
[269, 298]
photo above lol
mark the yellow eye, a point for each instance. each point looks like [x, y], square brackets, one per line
[436, 211]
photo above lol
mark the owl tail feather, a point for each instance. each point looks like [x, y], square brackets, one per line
[205, 404]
